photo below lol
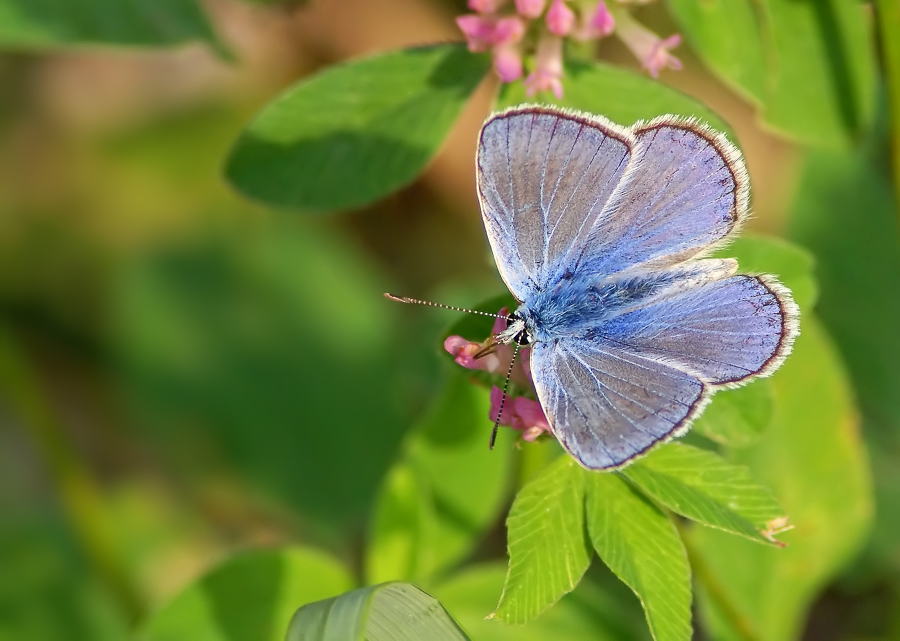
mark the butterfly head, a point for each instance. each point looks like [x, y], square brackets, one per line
[516, 332]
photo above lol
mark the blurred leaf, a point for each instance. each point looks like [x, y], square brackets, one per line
[46, 591]
[814, 460]
[809, 63]
[620, 95]
[791, 264]
[46, 23]
[725, 34]
[386, 612]
[269, 347]
[845, 212]
[548, 553]
[702, 486]
[822, 76]
[641, 546]
[251, 597]
[737, 417]
[357, 131]
[586, 614]
[448, 490]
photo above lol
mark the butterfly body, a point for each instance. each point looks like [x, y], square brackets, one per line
[601, 232]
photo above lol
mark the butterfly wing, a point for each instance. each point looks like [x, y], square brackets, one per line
[607, 404]
[566, 193]
[643, 375]
[725, 331]
[685, 191]
[544, 177]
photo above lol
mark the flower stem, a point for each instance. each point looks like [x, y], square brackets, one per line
[888, 17]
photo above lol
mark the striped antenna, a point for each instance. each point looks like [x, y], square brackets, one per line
[406, 299]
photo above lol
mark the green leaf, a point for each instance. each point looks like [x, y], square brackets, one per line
[447, 491]
[257, 336]
[588, 613]
[386, 612]
[791, 264]
[620, 95]
[810, 65]
[45, 23]
[737, 417]
[703, 486]
[251, 597]
[822, 76]
[813, 458]
[357, 131]
[548, 551]
[725, 34]
[641, 546]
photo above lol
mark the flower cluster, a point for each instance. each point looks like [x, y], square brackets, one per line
[512, 34]
[523, 414]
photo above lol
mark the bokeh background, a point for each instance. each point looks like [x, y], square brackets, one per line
[185, 374]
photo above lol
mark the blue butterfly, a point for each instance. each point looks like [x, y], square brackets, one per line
[600, 233]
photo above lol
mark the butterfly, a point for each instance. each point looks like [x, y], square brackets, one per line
[601, 233]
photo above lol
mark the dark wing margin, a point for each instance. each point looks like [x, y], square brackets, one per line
[607, 405]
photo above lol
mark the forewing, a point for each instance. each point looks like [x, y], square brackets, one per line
[607, 404]
[725, 331]
[544, 176]
[685, 191]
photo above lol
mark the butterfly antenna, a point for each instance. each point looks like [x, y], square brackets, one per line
[406, 299]
[503, 398]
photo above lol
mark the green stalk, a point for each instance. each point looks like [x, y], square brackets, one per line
[79, 495]
[887, 14]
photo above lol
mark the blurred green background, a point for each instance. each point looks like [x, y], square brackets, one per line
[185, 374]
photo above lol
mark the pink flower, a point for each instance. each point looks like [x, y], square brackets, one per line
[650, 49]
[497, 362]
[486, 6]
[547, 75]
[479, 31]
[530, 8]
[508, 62]
[483, 32]
[519, 413]
[560, 18]
[602, 22]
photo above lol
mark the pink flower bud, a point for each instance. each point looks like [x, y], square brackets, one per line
[520, 413]
[486, 6]
[530, 8]
[508, 62]
[547, 75]
[479, 31]
[560, 18]
[602, 21]
[509, 30]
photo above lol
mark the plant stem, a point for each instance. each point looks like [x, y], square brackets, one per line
[80, 496]
[887, 14]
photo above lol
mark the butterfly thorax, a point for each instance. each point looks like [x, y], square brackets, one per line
[576, 308]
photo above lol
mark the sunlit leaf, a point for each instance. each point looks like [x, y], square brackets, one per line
[449, 488]
[386, 612]
[705, 487]
[47, 23]
[737, 417]
[589, 613]
[641, 546]
[548, 551]
[621, 95]
[251, 597]
[726, 36]
[357, 131]
[813, 459]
